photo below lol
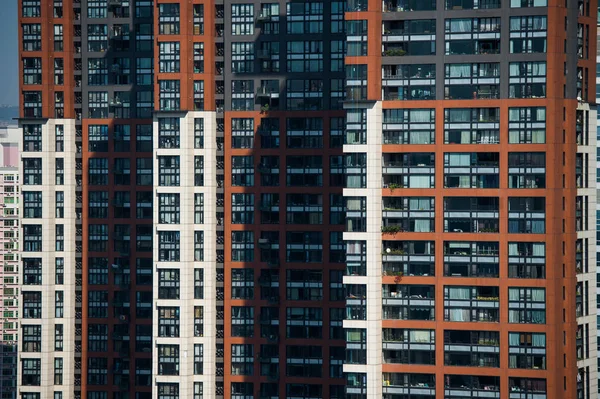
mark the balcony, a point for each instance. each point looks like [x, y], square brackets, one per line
[471, 215]
[408, 302]
[464, 304]
[472, 348]
[471, 259]
[526, 260]
[472, 170]
[472, 4]
[527, 388]
[461, 386]
[412, 170]
[408, 5]
[412, 385]
[408, 258]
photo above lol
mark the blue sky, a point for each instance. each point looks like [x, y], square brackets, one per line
[9, 70]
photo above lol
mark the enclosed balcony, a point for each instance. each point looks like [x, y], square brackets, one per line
[527, 351]
[527, 305]
[527, 215]
[392, 29]
[464, 304]
[415, 214]
[471, 170]
[461, 386]
[408, 302]
[409, 258]
[404, 126]
[468, 81]
[472, 36]
[356, 258]
[472, 348]
[527, 388]
[471, 259]
[527, 125]
[403, 342]
[356, 302]
[408, 170]
[471, 214]
[408, 5]
[472, 4]
[527, 170]
[409, 82]
[526, 260]
[420, 386]
[472, 126]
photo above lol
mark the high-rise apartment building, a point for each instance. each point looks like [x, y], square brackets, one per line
[477, 243]
[294, 199]
[9, 266]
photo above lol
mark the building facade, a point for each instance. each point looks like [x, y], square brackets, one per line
[477, 239]
[293, 199]
[9, 238]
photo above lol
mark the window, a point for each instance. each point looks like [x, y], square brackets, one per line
[32, 171]
[168, 172]
[199, 95]
[32, 37]
[168, 208]
[242, 132]
[198, 321]
[96, 9]
[121, 138]
[32, 71]
[97, 373]
[242, 208]
[198, 19]
[32, 238]
[198, 283]
[97, 36]
[168, 246]
[305, 56]
[97, 271]
[168, 360]
[242, 246]
[168, 283]
[242, 57]
[143, 138]
[97, 237]
[32, 204]
[97, 72]
[98, 204]
[98, 104]
[242, 283]
[32, 271]
[168, 19]
[528, 34]
[304, 132]
[32, 104]
[59, 71]
[58, 337]
[304, 17]
[198, 246]
[168, 132]
[198, 133]
[97, 337]
[242, 359]
[32, 305]
[168, 60]
[98, 138]
[59, 272]
[198, 359]
[527, 305]
[304, 323]
[198, 208]
[168, 322]
[304, 247]
[58, 371]
[31, 372]
[198, 55]
[98, 304]
[198, 171]
[31, 8]
[31, 338]
[169, 95]
[60, 237]
[242, 321]
[242, 19]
